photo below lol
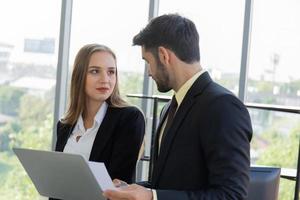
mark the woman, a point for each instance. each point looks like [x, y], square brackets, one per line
[98, 124]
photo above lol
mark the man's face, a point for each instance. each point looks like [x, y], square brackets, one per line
[157, 71]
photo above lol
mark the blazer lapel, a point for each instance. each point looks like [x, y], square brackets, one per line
[65, 131]
[157, 133]
[179, 117]
[103, 134]
[169, 137]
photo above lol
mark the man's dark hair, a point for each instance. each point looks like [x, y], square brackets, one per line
[174, 32]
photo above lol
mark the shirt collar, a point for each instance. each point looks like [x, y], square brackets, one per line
[97, 120]
[186, 86]
[79, 124]
[101, 112]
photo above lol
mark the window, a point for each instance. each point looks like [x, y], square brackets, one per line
[274, 78]
[275, 143]
[112, 23]
[220, 26]
[28, 58]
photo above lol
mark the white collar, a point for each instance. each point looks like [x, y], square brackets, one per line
[97, 120]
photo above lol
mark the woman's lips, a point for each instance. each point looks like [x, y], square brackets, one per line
[102, 89]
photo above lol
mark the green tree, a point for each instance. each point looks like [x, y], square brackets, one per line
[16, 178]
[6, 131]
[131, 83]
[283, 152]
[34, 110]
[31, 129]
[10, 100]
[291, 88]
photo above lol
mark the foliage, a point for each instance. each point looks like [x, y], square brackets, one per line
[291, 88]
[4, 167]
[130, 83]
[33, 111]
[32, 129]
[282, 152]
[10, 100]
[17, 180]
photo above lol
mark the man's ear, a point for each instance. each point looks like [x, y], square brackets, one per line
[164, 55]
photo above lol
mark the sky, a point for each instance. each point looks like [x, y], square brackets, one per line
[275, 31]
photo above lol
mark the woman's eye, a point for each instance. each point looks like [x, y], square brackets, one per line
[111, 72]
[94, 71]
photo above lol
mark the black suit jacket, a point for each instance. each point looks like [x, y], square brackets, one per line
[117, 142]
[205, 153]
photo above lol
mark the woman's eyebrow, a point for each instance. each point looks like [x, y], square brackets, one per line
[99, 67]
[95, 67]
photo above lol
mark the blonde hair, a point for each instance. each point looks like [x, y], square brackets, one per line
[77, 99]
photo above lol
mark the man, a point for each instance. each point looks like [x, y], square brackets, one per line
[202, 151]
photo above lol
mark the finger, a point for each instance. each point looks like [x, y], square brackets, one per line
[131, 187]
[116, 181]
[119, 183]
[128, 187]
[116, 194]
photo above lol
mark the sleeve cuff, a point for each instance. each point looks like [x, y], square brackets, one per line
[154, 195]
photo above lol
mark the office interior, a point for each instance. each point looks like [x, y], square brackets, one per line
[250, 47]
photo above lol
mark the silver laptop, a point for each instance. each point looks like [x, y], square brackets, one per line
[60, 175]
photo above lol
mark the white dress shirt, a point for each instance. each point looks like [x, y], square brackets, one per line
[84, 145]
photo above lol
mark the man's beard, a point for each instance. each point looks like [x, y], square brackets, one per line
[162, 80]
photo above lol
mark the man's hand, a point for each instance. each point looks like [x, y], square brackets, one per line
[130, 192]
[119, 183]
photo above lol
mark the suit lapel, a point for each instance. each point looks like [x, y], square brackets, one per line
[170, 135]
[161, 122]
[103, 134]
[181, 113]
[65, 131]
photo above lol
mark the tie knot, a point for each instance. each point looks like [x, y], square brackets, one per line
[173, 102]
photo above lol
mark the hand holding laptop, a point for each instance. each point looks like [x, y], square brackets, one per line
[129, 192]
[119, 183]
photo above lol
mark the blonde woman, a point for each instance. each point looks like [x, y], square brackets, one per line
[98, 124]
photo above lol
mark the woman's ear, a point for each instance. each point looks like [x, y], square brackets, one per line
[163, 55]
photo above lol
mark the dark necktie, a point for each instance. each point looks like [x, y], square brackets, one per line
[158, 141]
[171, 114]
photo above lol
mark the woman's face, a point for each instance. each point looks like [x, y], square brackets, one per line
[101, 77]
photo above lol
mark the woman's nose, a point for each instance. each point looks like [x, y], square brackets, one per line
[103, 77]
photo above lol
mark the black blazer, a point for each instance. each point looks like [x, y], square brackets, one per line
[117, 142]
[205, 153]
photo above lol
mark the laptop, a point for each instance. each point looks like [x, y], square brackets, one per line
[62, 175]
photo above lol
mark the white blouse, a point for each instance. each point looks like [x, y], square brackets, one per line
[84, 145]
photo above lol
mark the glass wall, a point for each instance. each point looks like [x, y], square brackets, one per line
[112, 23]
[220, 26]
[275, 143]
[221, 35]
[28, 59]
[274, 78]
